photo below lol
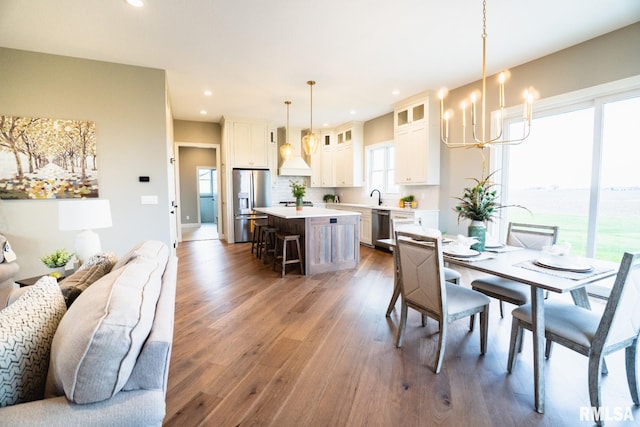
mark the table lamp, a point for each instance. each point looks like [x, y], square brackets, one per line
[85, 215]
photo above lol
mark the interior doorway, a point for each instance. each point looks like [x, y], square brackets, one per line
[199, 188]
[208, 195]
[207, 198]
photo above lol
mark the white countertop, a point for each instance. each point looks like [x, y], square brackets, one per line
[383, 207]
[306, 212]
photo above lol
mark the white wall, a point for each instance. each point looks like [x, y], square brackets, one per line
[128, 106]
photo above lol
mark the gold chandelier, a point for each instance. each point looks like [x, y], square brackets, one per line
[286, 149]
[311, 141]
[480, 139]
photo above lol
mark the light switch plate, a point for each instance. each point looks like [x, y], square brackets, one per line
[149, 200]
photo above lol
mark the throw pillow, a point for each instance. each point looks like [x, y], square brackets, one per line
[27, 328]
[75, 284]
[99, 339]
[105, 259]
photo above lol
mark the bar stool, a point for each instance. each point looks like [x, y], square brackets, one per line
[267, 245]
[257, 230]
[281, 256]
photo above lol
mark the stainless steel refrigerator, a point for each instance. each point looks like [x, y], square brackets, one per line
[251, 189]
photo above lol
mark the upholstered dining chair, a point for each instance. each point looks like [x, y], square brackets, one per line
[424, 288]
[590, 334]
[409, 224]
[531, 236]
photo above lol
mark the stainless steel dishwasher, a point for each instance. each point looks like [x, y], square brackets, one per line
[380, 227]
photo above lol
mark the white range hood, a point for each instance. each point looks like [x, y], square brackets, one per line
[295, 166]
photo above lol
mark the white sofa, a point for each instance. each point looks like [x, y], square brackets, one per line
[108, 365]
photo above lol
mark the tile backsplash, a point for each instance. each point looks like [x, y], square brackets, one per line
[427, 196]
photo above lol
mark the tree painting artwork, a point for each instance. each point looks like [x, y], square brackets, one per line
[47, 158]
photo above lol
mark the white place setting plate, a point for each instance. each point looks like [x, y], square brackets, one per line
[492, 245]
[576, 265]
[460, 253]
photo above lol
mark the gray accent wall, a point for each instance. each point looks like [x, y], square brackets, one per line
[130, 109]
[379, 129]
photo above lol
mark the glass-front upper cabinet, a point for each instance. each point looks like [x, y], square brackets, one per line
[410, 114]
[344, 137]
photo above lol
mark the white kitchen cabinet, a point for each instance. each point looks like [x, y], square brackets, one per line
[366, 237]
[410, 156]
[344, 136]
[339, 160]
[411, 113]
[328, 169]
[344, 166]
[248, 143]
[315, 180]
[348, 154]
[328, 175]
[322, 163]
[417, 142]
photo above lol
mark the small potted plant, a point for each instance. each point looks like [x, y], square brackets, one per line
[411, 201]
[56, 261]
[298, 190]
[329, 198]
[480, 204]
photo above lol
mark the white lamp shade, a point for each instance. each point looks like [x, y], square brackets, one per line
[84, 214]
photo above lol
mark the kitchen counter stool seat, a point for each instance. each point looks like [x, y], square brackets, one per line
[283, 239]
[257, 230]
[267, 245]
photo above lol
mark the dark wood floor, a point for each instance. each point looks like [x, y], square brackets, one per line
[252, 348]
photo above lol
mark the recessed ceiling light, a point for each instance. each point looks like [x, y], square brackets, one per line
[352, 112]
[135, 3]
[208, 93]
[325, 125]
[395, 92]
[203, 112]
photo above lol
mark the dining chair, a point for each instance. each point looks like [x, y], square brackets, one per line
[423, 288]
[410, 224]
[590, 334]
[530, 236]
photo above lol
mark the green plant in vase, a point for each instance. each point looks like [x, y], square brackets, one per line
[480, 204]
[57, 260]
[298, 190]
[329, 198]
[409, 201]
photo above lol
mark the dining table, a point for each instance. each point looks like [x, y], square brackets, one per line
[532, 267]
[525, 266]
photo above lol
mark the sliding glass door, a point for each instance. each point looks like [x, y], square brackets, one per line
[579, 170]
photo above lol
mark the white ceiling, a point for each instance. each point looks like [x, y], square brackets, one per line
[255, 54]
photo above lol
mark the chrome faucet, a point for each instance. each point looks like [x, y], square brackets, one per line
[379, 195]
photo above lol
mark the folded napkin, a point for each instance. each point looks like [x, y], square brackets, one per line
[559, 254]
[462, 243]
[558, 249]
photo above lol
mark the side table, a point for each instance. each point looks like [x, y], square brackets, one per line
[32, 280]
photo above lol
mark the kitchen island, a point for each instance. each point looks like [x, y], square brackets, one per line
[329, 238]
